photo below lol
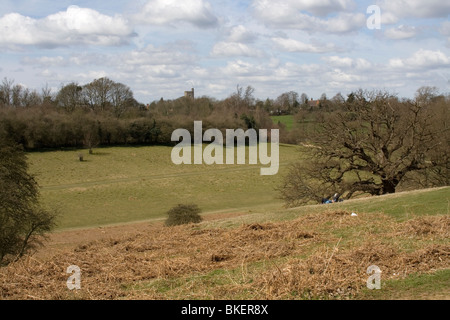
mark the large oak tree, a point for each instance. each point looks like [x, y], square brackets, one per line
[373, 145]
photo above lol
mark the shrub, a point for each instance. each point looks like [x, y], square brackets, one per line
[183, 214]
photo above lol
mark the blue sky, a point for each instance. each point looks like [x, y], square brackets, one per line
[160, 48]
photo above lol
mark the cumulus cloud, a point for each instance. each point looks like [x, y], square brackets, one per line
[422, 59]
[401, 32]
[292, 15]
[171, 12]
[291, 45]
[339, 77]
[241, 34]
[74, 26]
[238, 42]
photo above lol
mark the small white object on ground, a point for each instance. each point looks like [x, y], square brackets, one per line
[354, 214]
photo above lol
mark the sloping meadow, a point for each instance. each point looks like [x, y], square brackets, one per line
[321, 255]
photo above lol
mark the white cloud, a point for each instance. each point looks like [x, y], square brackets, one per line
[162, 71]
[291, 45]
[230, 49]
[216, 88]
[417, 8]
[88, 76]
[238, 40]
[401, 32]
[241, 68]
[170, 12]
[315, 7]
[422, 59]
[76, 59]
[293, 70]
[290, 15]
[45, 61]
[71, 27]
[343, 23]
[151, 55]
[388, 18]
[341, 77]
[85, 59]
[218, 44]
[49, 74]
[339, 62]
[241, 34]
[358, 64]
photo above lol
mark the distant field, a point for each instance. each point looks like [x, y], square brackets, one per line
[287, 120]
[125, 184]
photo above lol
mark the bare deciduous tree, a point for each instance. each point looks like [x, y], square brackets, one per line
[98, 93]
[121, 97]
[6, 92]
[287, 102]
[372, 146]
[70, 96]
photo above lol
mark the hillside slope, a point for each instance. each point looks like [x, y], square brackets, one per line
[299, 255]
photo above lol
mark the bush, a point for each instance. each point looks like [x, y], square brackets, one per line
[183, 214]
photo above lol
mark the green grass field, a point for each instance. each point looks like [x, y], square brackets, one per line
[287, 120]
[126, 184]
[401, 206]
[434, 286]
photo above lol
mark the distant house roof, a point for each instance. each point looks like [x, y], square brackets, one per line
[313, 103]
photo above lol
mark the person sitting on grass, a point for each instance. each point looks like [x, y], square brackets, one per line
[333, 199]
[326, 200]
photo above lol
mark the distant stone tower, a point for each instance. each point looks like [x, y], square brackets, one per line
[189, 94]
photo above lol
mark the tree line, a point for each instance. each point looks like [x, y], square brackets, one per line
[105, 113]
